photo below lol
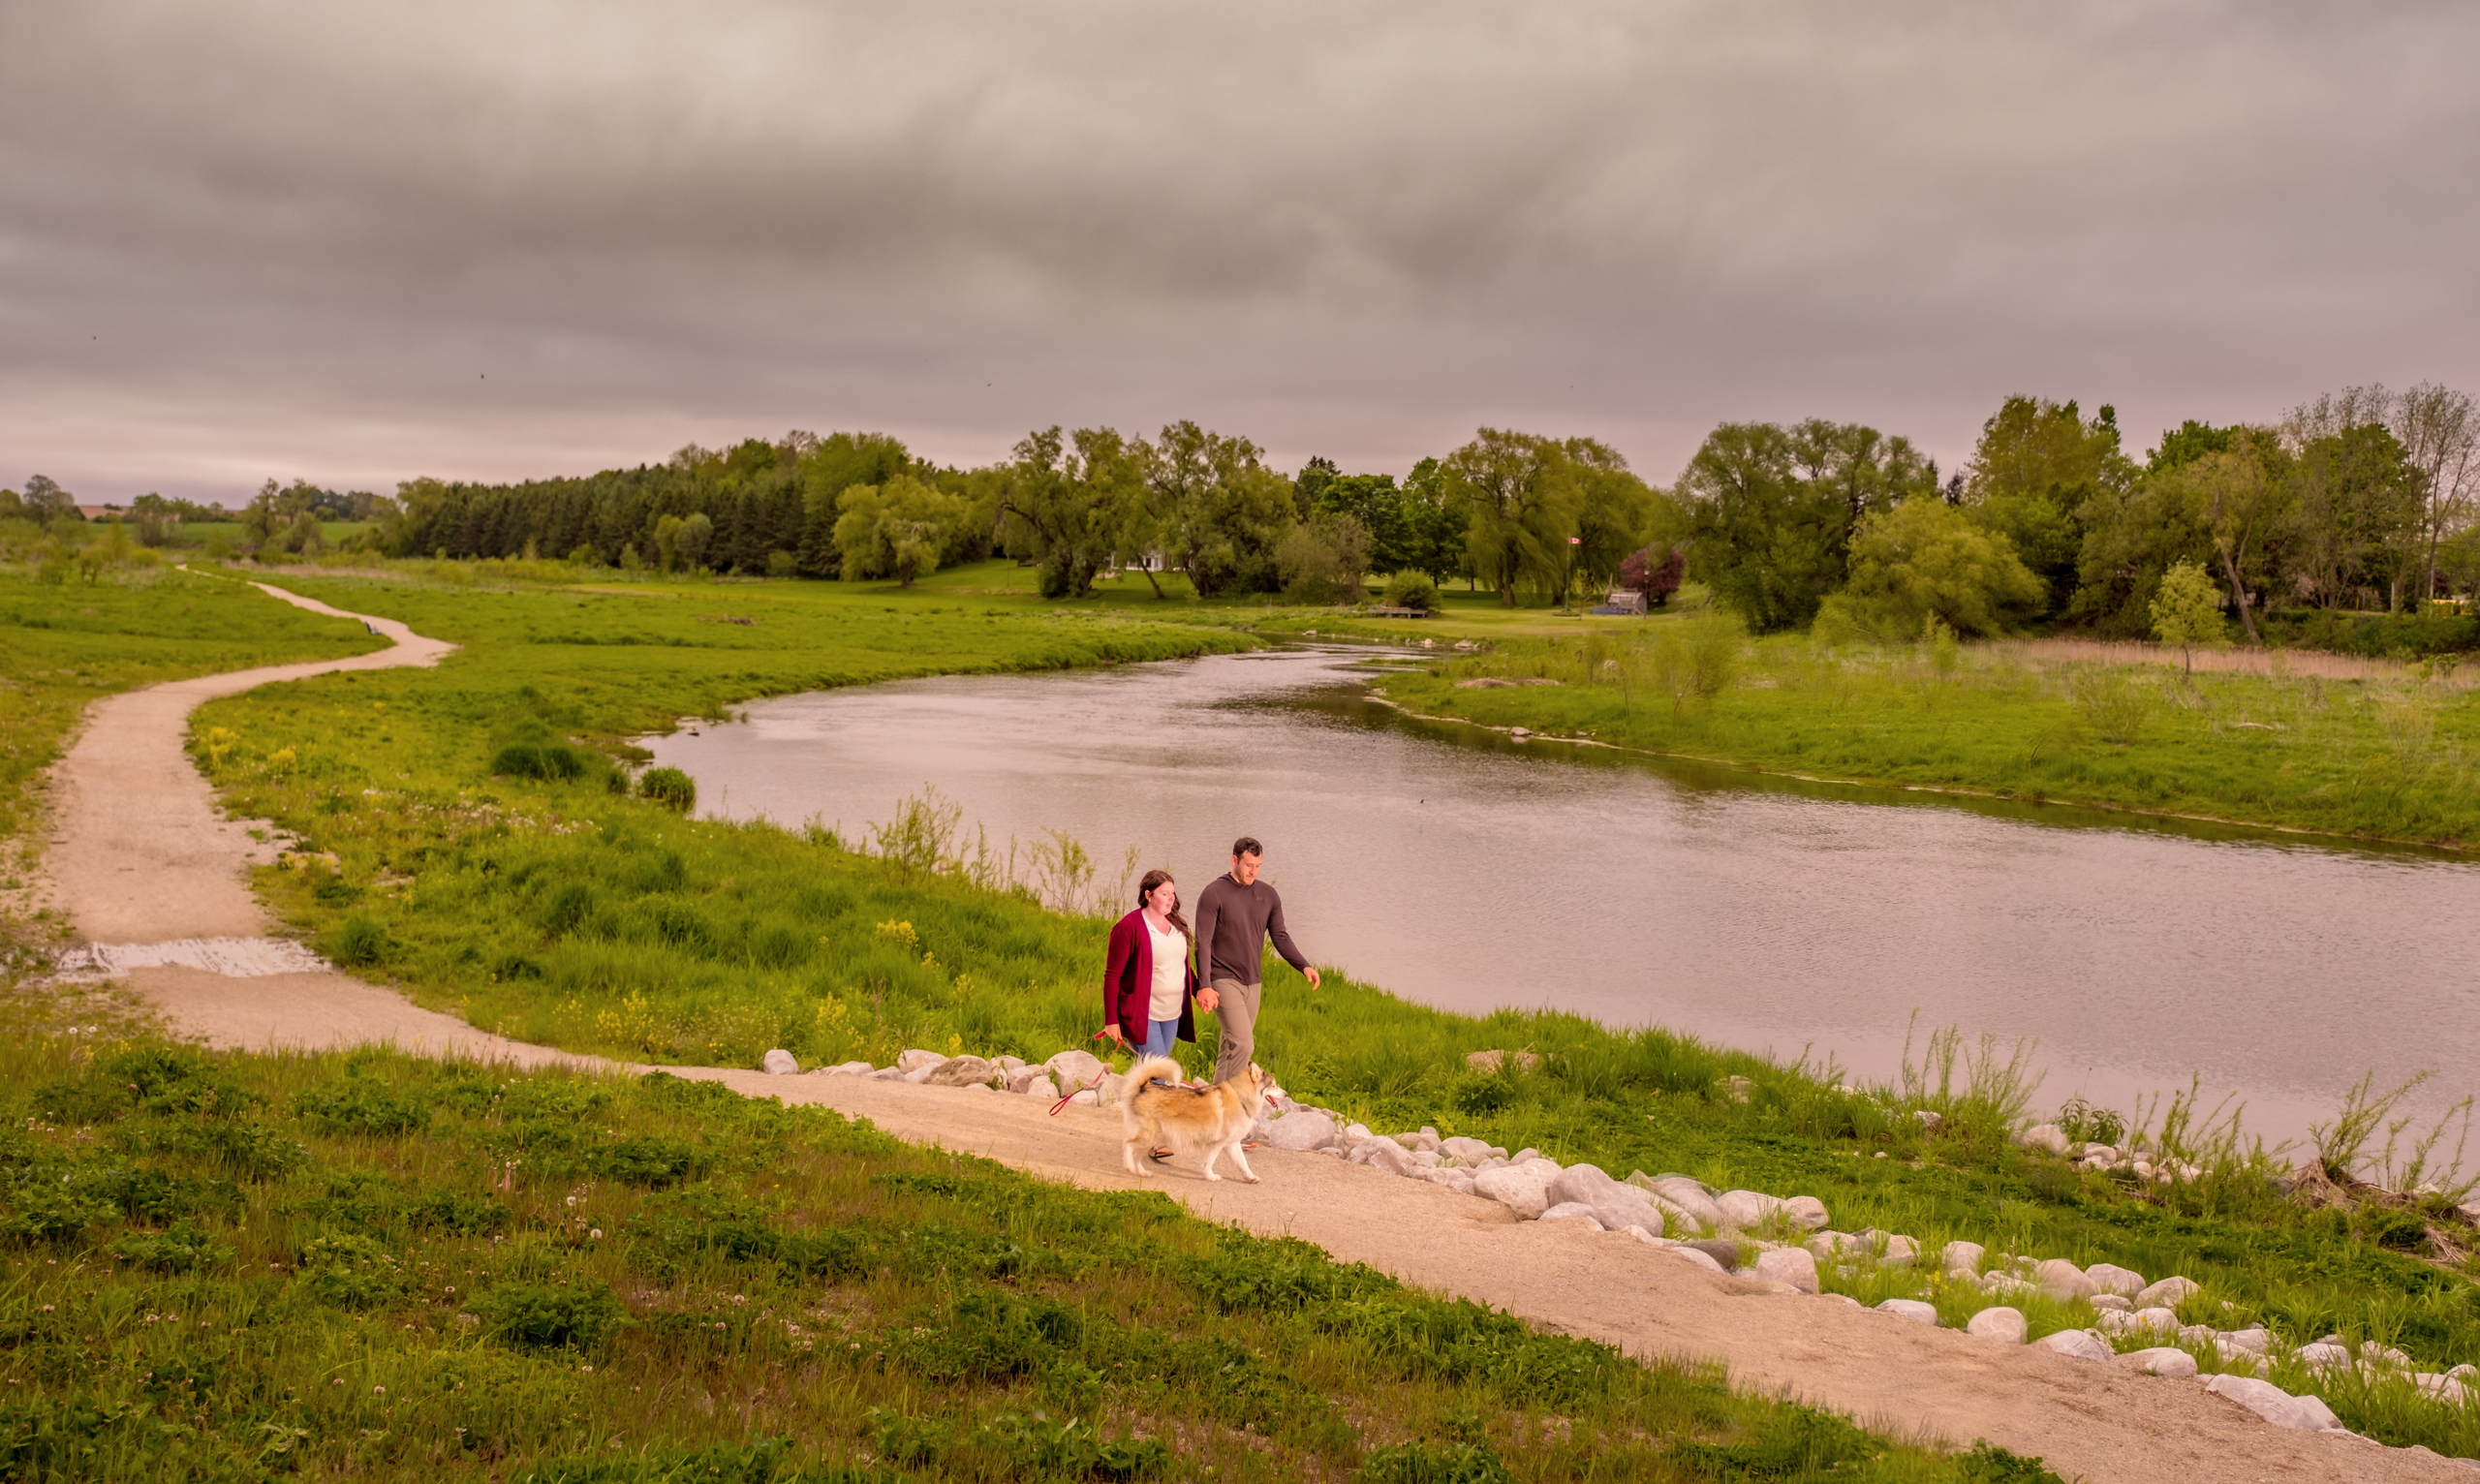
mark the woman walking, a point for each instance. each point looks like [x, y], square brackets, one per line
[1149, 981]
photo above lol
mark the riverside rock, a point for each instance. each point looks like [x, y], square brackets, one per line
[2301, 1414]
[2161, 1360]
[1806, 1211]
[1749, 1208]
[1522, 1188]
[2169, 1293]
[2108, 1278]
[1725, 1253]
[1570, 1210]
[777, 1063]
[1912, 1309]
[1388, 1155]
[1695, 1252]
[1613, 1204]
[1962, 1259]
[1793, 1265]
[2061, 1279]
[1301, 1131]
[2047, 1136]
[844, 1069]
[2082, 1344]
[1042, 1088]
[2002, 1324]
[1683, 1196]
[1467, 1151]
[916, 1058]
[963, 1071]
[1073, 1067]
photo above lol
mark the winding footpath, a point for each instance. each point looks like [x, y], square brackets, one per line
[156, 881]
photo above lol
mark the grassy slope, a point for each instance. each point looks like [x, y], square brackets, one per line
[2347, 757]
[242, 1266]
[689, 940]
[63, 645]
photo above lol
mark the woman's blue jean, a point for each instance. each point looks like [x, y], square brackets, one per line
[1161, 1035]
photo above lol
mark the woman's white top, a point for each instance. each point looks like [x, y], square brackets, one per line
[1170, 972]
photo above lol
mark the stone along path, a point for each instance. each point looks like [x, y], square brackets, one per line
[157, 883]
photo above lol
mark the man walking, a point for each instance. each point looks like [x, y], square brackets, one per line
[1236, 913]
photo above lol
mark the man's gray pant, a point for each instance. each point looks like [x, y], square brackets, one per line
[1236, 1008]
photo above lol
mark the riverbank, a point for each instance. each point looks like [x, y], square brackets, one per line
[2384, 756]
[562, 912]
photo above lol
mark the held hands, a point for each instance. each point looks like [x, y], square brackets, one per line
[1207, 1000]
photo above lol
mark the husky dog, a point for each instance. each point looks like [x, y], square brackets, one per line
[1216, 1119]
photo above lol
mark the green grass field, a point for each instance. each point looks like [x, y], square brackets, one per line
[246, 1267]
[2389, 760]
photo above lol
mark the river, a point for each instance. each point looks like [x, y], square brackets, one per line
[1463, 870]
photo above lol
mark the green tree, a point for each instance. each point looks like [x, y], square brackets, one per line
[2187, 612]
[2037, 465]
[2241, 498]
[1077, 502]
[1214, 508]
[1323, 559]
[46, 502]
[1766, 542]
[1373, 500]
[2136, 529]
[1519, 499]
[690, 542]
[2355, 499]
[898, 529]
[1926, 560]
[1433, 523]
[830, 466]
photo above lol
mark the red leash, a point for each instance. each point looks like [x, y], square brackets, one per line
[1088, 1087]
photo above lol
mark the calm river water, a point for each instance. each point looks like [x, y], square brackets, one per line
[1467, 871]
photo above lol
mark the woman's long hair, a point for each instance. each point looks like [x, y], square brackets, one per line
[1145, 888]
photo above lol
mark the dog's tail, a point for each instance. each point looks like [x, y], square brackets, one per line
[1147, 1069]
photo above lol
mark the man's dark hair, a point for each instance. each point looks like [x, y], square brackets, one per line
[1246, 845]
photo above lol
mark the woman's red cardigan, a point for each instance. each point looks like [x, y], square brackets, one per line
[1128, 982]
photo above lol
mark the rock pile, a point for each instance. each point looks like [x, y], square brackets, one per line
[1782, 1243]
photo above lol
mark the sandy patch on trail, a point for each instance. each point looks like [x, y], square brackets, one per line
[157, 883]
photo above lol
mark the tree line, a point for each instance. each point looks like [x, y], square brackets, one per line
[2363, 499]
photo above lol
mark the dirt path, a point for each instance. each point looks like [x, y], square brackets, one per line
[151, 872]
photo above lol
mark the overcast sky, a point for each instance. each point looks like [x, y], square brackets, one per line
[358, 242]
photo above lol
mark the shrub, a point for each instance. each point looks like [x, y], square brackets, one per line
[352, 1272]
[551, 761]
[543, 1316]
[181, 1250]
[1321, 559]
[1416, 1463]
[647, 1159]
[360, 942]
[360, 1105]
[671, 787]
[1411, 590]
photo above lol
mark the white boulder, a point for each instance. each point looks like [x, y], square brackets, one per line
[1697, 1259]
[2047, 1136]
[1613, 1204]
[777, 1063]
[1300, 1131]
[2108, 1278]
[2161, 1360]
[1900, 1252]
[921, 1074]
[2082, 1344]
[1679, 1195]
[1042, 1088]
[1570, 1210]
[844, 1069]
[1523, 1189]
[1912, 1309]
[1071, 1068]
[1749, 1208]
[1465, 1151]
[2169, 1293]
[962, 1072]
[1962, 1259]
[916, 1058]
[1456, 1179]
[2000, 1323]
[2254, 1340]
[2304, 1414]
[1806, 1211]
[1793, 1265]
[2061, 1279]
[1388, 1155]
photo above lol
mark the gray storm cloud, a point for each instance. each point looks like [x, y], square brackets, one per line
[355, 243]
